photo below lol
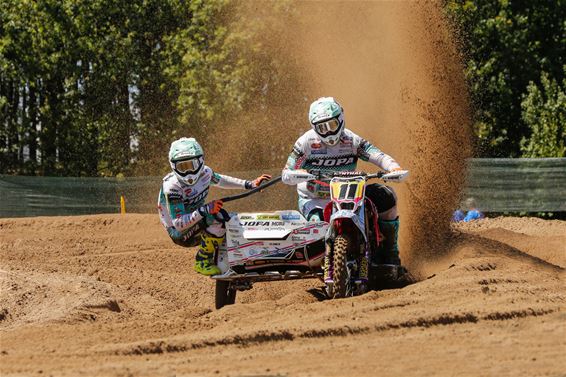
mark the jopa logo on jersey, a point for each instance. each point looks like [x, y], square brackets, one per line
[328, 162]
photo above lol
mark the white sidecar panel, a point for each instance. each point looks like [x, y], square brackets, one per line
[266, 234]
[273, 235]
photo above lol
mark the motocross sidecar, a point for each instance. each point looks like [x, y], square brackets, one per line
[268, 246]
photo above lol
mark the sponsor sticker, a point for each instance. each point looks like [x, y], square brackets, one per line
[301, 231]
[197, 198]
[268, 217]
[291, 216]
[322, 150]
[333, 161]
[262, 223]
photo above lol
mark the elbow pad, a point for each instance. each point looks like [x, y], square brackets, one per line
[187, 221]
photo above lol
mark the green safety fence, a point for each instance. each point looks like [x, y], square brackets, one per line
[53, 196]
[46, 196]
[518, 185]
[497, 185]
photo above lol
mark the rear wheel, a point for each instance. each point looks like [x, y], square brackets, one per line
[340, 273]
[225, 294]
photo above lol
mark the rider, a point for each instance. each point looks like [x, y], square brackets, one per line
[182, 210]
[328, 147]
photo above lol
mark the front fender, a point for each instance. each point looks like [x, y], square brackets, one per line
[346, 214]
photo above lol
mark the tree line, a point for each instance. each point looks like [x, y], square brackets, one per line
[100, 87]
[514, 56]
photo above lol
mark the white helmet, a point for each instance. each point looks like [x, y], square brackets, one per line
[187, 160]
[326, 117]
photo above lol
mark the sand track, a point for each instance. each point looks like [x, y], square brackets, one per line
[111, 295]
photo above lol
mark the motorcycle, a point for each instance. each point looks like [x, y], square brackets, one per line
[266, 246]
[352, 242]
[283, 245]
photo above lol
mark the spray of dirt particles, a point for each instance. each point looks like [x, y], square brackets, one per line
[111, 295]
[395, 70]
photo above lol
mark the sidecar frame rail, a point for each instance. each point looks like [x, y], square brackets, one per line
[269, 276]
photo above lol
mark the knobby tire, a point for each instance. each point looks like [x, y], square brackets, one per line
[340, 275]
[224, 295]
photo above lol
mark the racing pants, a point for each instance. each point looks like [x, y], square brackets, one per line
[192, 236]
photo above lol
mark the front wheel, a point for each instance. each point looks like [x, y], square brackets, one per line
[225, 294]
[340, 274]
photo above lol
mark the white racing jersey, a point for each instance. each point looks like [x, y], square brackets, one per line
[309, 153]
[178, 203]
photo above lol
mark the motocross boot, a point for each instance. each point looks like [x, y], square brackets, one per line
[204, 263]
[389, 230]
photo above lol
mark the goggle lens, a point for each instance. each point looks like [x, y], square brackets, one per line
[327, 127]
[189, 166]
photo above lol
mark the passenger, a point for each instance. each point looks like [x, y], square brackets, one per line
[182, 207]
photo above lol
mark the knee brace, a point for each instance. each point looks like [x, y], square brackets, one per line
[385, 200]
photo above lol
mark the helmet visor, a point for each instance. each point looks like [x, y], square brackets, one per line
[327, 127]
[189, 166]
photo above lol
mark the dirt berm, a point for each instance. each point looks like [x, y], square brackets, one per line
[112, 296]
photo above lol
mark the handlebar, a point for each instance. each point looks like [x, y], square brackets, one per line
[396, 176]
[346, 174]
[252, 191]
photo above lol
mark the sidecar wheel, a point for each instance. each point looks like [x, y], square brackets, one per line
[225, 295]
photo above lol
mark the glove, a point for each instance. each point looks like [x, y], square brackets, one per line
[317, 173]
[256, 182]
[211, 208]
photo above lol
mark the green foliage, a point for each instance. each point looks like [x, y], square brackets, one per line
[230, 75]
[544, 111]
[507, 44]
[102, 87]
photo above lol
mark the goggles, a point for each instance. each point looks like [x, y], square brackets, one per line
[189, 166]
[327, 127]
